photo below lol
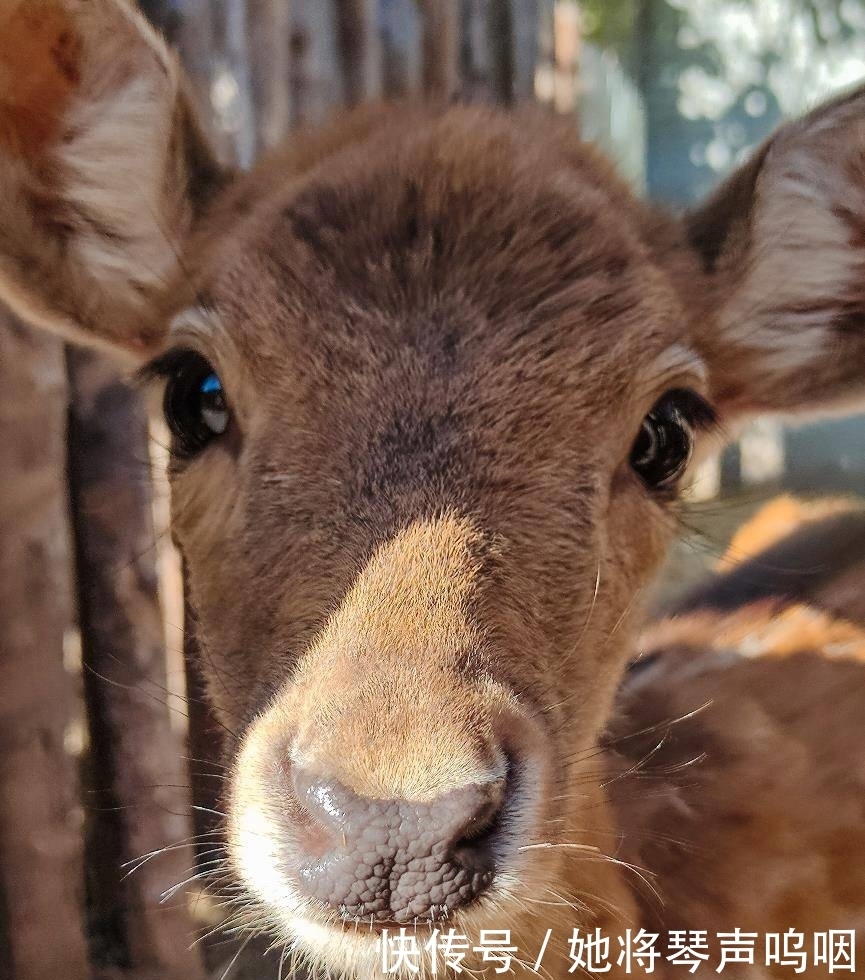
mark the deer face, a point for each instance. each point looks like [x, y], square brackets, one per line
[434, 380]
[415, 545]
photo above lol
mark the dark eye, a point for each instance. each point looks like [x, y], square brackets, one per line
[663, 446]
[195, 406]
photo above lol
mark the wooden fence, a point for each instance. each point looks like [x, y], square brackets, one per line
[94, 770]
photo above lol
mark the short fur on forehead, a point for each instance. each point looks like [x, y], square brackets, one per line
[458, 231]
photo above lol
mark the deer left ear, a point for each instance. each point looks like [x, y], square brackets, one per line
[103, 170]
[782, 245]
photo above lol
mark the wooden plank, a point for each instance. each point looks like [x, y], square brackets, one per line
[501, 41]
[270, 69]
[475, 51]
[193, 29]
[207, 778]
[499, 49]
[401, 43]
[526, 18]
[136, 756]
[242, 108]
[439, 47]
[316, 79]
[41, 864]
[360, 50]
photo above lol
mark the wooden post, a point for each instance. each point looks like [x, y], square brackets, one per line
[401, 41]
[41, 863]
[360, 50]
[193, 29]
[270, 26]
[140, 789]
[499, 49]
[316, 79]
[525, 44]
[440, 20]
[501, 41]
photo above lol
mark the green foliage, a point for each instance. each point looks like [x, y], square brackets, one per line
[610, 23]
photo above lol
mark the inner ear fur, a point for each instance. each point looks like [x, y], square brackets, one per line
[781, 246]
[103, 169]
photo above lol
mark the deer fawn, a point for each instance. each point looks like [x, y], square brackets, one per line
[434, 378]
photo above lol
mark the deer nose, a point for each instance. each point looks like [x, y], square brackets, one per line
[395, 860]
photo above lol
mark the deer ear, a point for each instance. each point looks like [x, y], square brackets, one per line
[103, 170]
[782, 244]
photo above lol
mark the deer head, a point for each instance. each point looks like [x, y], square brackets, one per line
[434, 379]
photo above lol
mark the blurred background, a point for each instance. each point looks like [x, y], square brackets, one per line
[104, 738]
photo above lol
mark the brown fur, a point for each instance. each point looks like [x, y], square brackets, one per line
[743, 795]
[40, 56]
[730, 779]
[417, 556]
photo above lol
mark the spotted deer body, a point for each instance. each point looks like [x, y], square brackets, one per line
[434, 376]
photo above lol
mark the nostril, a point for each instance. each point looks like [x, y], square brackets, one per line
[483, 824]
[396, 860]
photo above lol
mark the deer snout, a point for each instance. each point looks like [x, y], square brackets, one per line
[387, 822]
[393, 860]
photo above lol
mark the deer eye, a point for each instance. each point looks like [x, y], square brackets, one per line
[663, 446]
[195, 407]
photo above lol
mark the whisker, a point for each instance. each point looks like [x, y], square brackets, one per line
[236, 957]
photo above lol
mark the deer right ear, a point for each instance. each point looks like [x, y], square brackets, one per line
[103, 170]
[782, 246]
